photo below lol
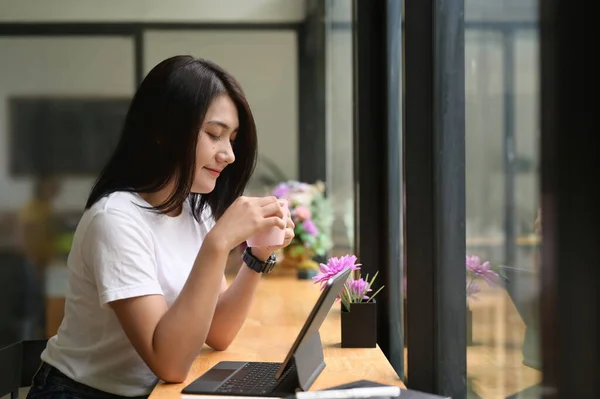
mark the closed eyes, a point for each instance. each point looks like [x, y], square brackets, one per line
[215, 137]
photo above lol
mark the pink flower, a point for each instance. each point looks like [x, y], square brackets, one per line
[359, 288]
[303, 213]
[310, 227]
[334, 266]
[481, 270]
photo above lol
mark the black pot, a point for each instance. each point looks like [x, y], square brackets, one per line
[359, 325]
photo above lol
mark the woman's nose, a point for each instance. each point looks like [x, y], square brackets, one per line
[226, 156]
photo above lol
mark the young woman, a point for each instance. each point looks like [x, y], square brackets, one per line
[146, 270]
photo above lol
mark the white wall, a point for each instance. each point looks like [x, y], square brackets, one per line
[265, 63]
[152, 10]
[58, 67]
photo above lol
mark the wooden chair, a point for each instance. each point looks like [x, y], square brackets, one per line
[18, 364]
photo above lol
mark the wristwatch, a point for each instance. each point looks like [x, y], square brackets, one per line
[256, 264]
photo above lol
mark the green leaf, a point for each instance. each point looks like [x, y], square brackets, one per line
[346, 297]
[297, 250]
[376, 292]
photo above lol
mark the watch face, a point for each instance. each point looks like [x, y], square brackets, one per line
[270, 264]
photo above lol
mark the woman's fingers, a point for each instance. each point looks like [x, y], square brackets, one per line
[262, 201]
[273, 209]
[275, 221]
[289, 233]
[270, 212]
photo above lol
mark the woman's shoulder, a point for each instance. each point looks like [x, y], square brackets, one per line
[114, 212]
[114, 220]
[119, 203]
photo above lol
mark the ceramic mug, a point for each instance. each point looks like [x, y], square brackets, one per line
[271, 237]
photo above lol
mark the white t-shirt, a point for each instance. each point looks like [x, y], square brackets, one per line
[120, 251]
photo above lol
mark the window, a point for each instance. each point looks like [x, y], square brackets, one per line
[502, 197]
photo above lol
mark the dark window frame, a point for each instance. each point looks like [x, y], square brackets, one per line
[377, 163]
[570, 212]
[434, 161]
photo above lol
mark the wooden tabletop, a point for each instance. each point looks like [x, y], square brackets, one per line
[280, 308]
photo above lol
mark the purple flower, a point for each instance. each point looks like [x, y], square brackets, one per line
[299, 187]
[310, 227]
[334, 266]
[281, 190]
[359, 288]
[287, 188]
[481, 270]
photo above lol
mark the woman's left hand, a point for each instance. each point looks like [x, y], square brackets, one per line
[263, 253]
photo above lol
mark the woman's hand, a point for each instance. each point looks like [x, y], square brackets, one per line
[263, 253]
[245, 217]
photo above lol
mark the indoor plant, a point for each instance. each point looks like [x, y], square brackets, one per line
[312, 214]
[359, 309]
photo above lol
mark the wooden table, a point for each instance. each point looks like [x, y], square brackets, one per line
[281, 306]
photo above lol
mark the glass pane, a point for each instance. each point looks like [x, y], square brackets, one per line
[339, 122]
[502, 198]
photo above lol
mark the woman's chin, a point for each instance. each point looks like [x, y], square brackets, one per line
[202, 187]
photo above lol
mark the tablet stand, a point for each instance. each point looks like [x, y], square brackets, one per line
[309, 362]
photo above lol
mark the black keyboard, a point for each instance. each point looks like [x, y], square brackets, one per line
[254, 378]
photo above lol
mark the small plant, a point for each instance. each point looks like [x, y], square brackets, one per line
[356, 290]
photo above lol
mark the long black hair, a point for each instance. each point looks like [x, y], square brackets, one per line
[160, 133]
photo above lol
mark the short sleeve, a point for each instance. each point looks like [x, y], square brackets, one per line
[120, 254]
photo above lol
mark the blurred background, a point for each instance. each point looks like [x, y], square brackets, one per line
[69, 68]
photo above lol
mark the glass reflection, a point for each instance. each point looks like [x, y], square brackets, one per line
[502, 197]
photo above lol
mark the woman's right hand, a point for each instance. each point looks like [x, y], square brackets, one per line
[246, 217]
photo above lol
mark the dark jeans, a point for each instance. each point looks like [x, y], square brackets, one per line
[49, 383]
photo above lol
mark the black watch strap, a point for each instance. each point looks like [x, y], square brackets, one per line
[256, 264]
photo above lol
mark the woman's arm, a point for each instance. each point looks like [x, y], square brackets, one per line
[234, 302]
[166, 338]
[233, 306]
